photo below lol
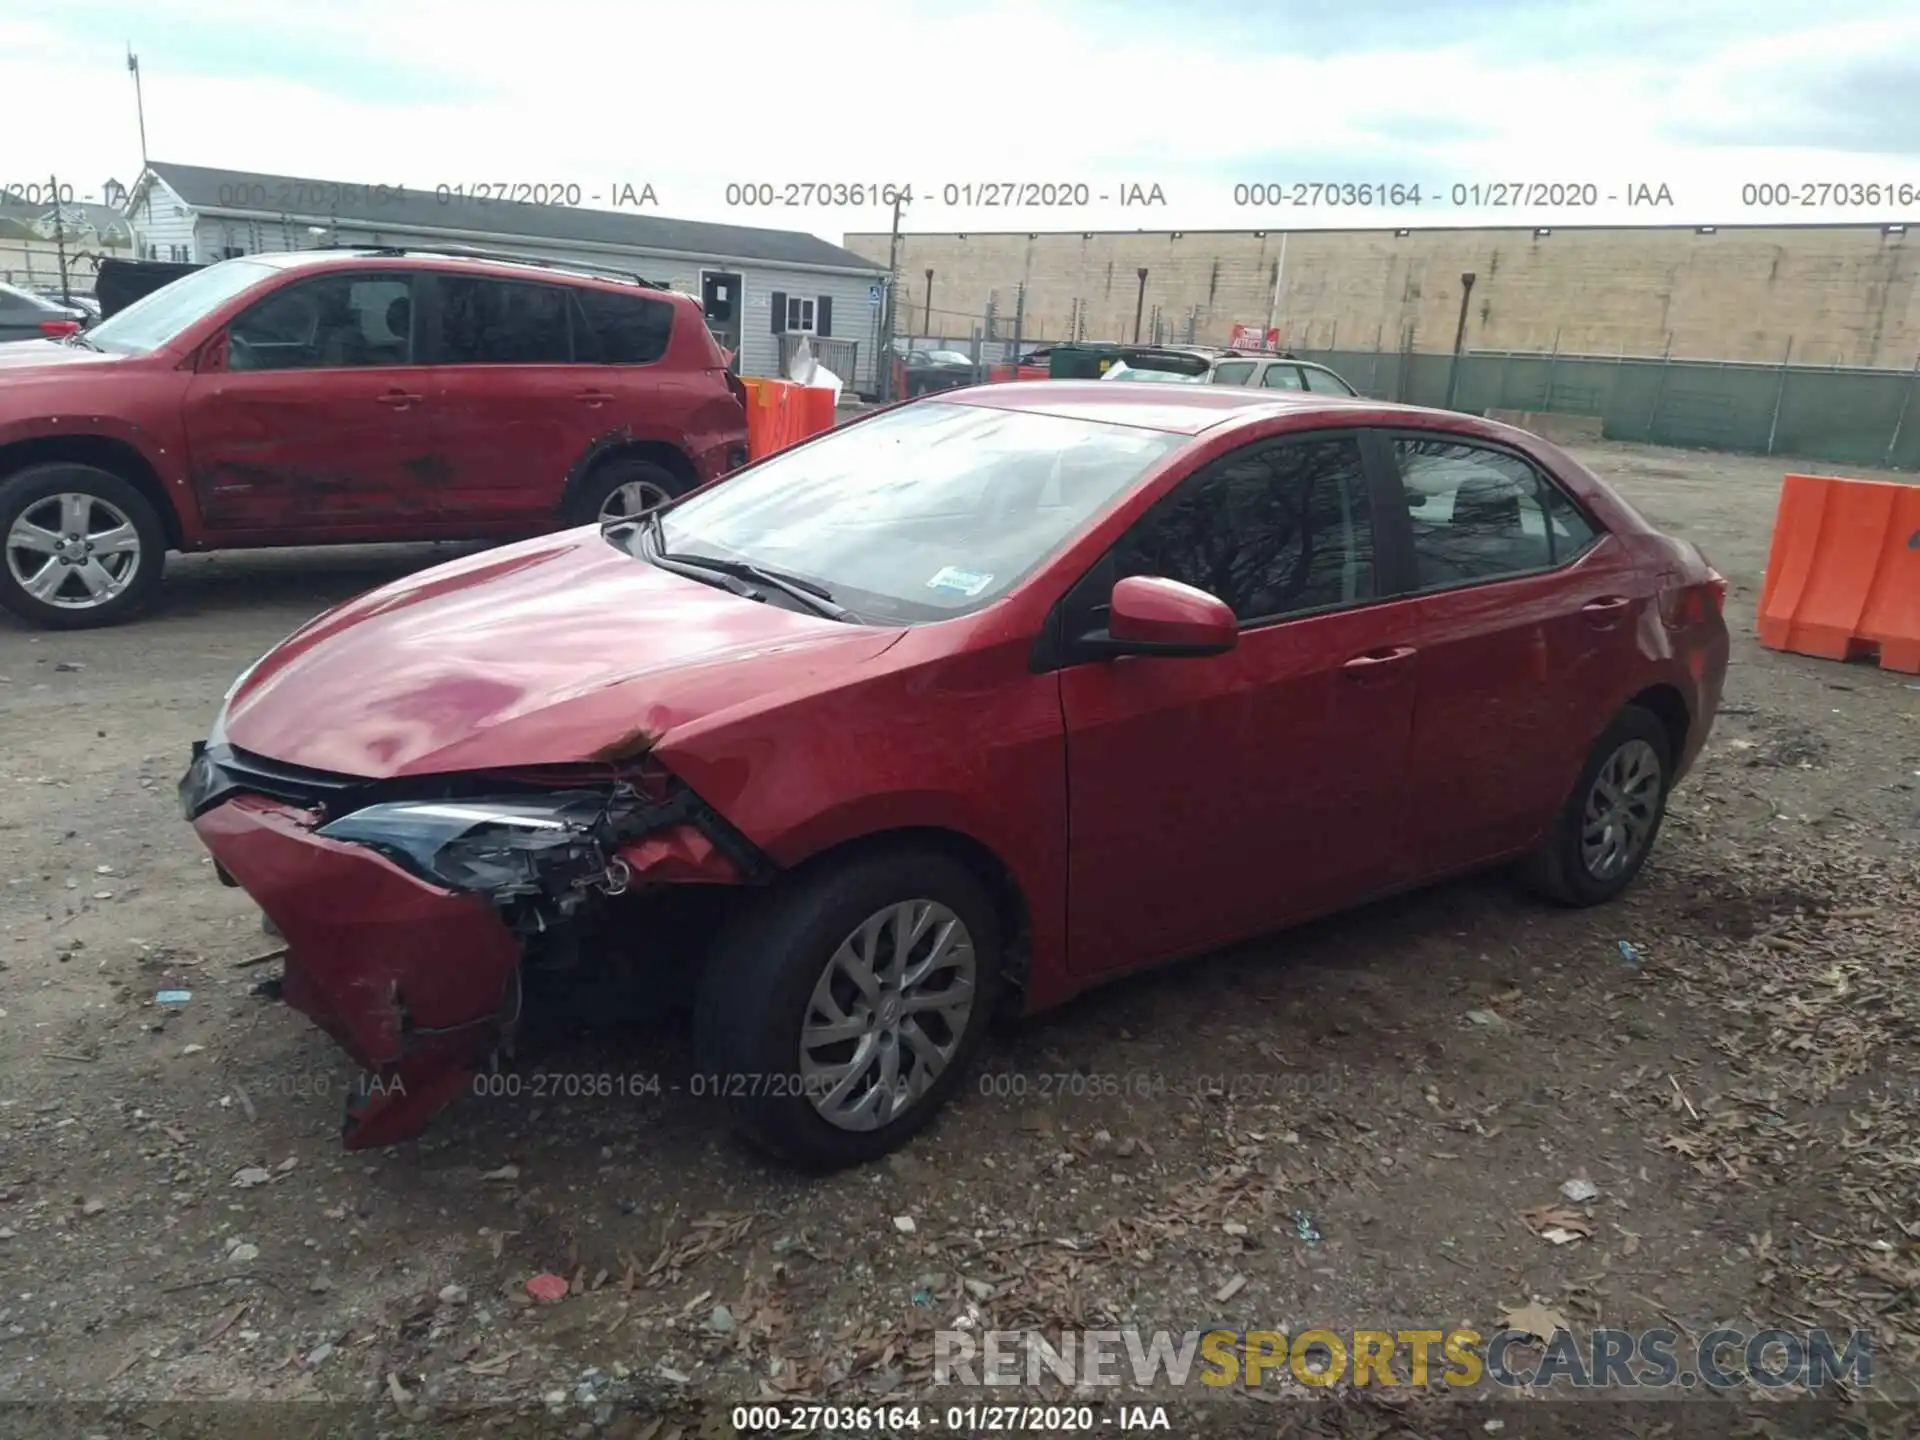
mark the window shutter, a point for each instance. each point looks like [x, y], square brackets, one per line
[823, 316]
[779, 312]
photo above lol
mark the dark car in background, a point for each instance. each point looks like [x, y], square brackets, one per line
[344, 396]
[928, 371]
[27, 316]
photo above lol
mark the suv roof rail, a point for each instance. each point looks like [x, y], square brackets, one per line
[462, 252]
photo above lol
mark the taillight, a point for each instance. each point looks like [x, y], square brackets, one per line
[1717, 586]
[59, 329]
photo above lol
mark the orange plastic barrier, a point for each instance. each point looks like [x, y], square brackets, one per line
[814, 412]
[768, 410]
[781, 413]
[1843, 573]
[1009, 371]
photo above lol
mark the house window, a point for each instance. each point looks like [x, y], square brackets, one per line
[799, 313]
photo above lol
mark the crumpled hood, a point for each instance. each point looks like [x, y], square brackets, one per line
[559, 649]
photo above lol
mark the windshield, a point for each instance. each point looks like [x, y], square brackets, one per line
[153, 320]
[922, 513]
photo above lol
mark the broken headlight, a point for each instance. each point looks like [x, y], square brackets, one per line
[507, 846]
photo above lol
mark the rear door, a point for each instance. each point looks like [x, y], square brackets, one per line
[1528, 615]
[512, 412]
[313, 414]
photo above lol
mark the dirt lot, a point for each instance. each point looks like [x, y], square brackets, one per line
[1350, 1119]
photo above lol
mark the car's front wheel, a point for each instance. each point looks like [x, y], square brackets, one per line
[840, 1011]
[1607, 826]
[83, 547]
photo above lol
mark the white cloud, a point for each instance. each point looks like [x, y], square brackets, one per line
[690, 97]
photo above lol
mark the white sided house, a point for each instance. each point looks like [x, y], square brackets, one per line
[760, 289]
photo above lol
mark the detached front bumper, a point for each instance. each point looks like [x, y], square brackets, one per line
[408, 944]
[412, 980]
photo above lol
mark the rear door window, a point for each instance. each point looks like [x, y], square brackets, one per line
[1282, 377]
[611, 329]
[1232, 372]
[1482, 514]
[1325, 382]
[502, 322]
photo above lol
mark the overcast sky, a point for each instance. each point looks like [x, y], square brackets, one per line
[1194, 95]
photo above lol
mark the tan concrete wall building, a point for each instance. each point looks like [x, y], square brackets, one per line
[1847, 295]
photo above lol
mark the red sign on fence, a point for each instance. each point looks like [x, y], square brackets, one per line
[1252, 337]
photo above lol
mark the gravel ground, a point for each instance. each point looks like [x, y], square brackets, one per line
[1365, 1122]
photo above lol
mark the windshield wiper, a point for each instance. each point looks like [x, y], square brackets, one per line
[815, 596]
[79, 339]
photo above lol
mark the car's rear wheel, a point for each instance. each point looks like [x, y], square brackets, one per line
[838, 1013]
[82, 546]
[1607, 827]
[621, 489]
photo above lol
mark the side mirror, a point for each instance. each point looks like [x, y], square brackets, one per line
[1151, 615]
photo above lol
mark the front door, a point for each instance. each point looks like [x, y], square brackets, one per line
[721, 296]
[1215, 798]
[317, 417]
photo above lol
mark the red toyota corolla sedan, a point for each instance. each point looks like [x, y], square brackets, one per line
[971, 704]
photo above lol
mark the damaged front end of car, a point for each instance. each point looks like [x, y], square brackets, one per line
[415, 909]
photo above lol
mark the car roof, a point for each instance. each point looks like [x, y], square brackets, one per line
[1174, 408]
[516, 267]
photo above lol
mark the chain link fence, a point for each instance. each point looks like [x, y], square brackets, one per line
[1847, 414]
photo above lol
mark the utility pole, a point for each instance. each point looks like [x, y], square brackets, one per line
[1139, 304]
[139, 103]
[60, 238]
[893, 285]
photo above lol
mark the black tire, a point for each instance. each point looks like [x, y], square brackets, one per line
[30, 490]
[1558, 869]
[760, 977]
[582, 507]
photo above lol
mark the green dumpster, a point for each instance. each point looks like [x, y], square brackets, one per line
[1081, 362]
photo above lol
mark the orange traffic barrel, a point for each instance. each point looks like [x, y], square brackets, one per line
[1843, 571]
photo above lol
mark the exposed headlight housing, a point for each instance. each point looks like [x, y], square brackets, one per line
[504, 846]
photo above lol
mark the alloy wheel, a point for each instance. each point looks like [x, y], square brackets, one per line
[631, 500]
[73, 550]
[887, 1015]
[1621, 809]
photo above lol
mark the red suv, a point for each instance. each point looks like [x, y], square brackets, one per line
[345, 396]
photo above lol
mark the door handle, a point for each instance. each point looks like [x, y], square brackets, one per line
[1606, 610]
[398, 399]
[1372, 662]
[593, 397]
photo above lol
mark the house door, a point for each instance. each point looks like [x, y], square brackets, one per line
[721, 294]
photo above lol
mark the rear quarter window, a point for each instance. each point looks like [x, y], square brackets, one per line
[612, 329]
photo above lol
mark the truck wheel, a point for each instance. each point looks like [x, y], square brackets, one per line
[840, 1011]
[83, 547]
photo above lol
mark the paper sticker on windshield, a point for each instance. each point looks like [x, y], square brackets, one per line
[960, 582]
